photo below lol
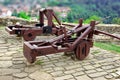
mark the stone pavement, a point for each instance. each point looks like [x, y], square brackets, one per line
[100, 65]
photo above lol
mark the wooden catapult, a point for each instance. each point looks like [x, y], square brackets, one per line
[80, 44]
[64, 42]
[29, 32]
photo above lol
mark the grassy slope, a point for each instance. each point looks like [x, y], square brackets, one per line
[108, 46]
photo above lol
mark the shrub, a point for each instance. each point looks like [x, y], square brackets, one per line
[94, 17]
[24, 15]
[116, 20]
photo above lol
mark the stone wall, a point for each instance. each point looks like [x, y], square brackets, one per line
[111, 28]
[4, 21]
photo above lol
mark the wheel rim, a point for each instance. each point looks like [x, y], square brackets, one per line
[82, 50]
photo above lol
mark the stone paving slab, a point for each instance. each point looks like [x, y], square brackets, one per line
[100, 64]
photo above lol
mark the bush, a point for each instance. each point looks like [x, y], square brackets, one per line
[94, 17]
[24, 15]
[116, 20]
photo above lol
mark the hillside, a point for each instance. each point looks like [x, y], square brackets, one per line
[87, 8]
[81, 8]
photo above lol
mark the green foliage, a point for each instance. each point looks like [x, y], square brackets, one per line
[58, 2]
[6, 2]
[116, 21]
[82, 8]
[94, 17]
[24, 15]
[86, 8]
[53, 3]
[76, 13]
[108, 46]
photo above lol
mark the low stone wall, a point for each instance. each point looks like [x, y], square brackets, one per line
[104, 38]
[4, 21]
[111, 28]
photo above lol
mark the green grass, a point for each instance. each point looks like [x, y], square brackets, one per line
[108, 46]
